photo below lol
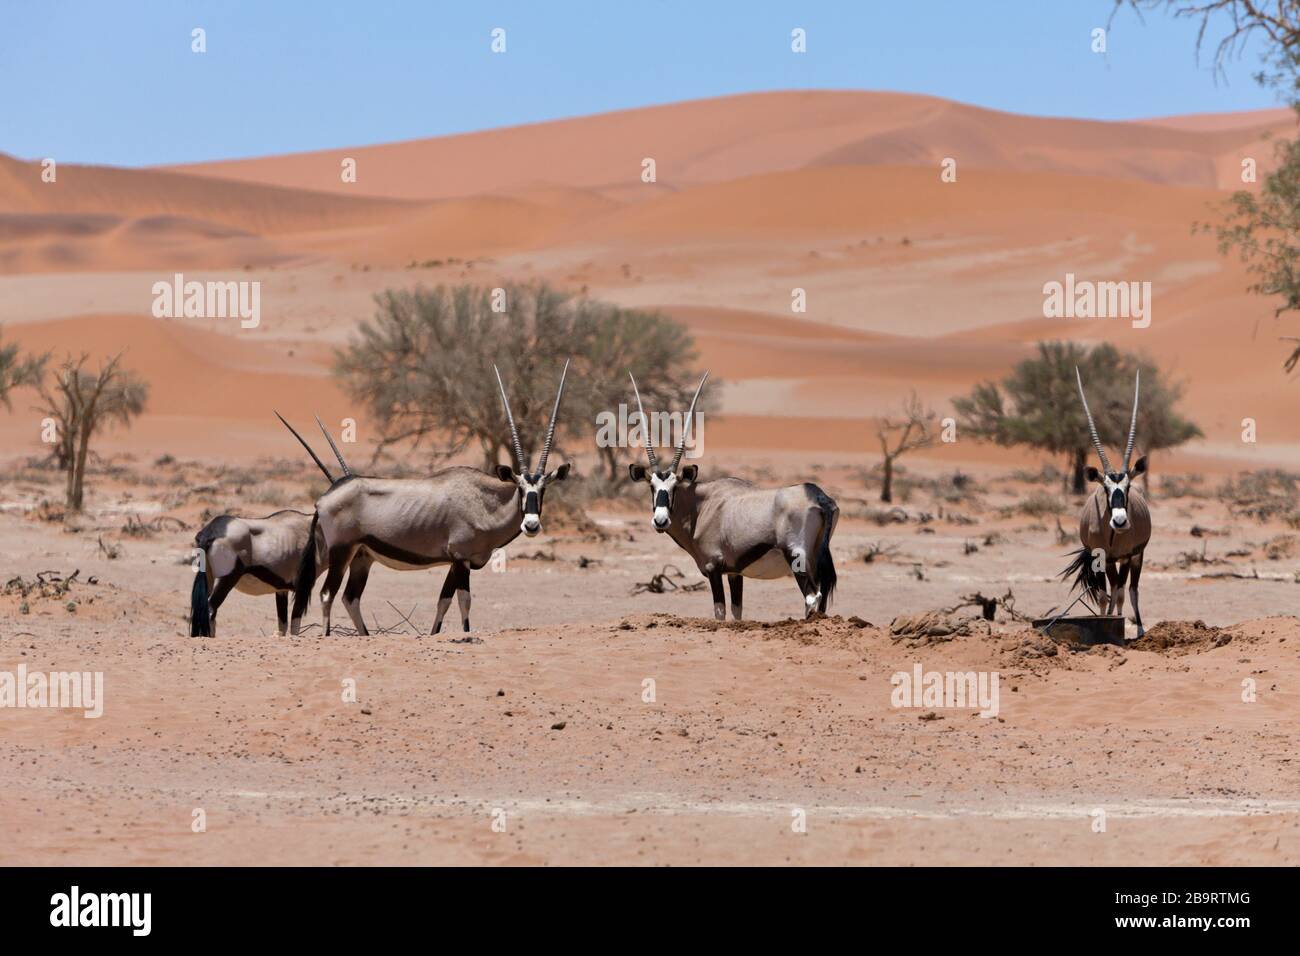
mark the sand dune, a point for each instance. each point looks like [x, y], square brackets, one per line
[910, 282]
[133, 193]
[714, 140]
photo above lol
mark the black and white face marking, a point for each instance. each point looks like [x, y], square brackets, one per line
[661, 495]
[1117, 497]
[532, 489]
[1117, 488]
[663, 487]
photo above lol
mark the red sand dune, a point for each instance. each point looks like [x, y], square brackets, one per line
[719, 139]
[911, 282]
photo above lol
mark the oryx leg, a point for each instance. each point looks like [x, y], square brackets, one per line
[282, 612]
[339, 559]
[358, 572]
[457, 581]
[1119, 586]
[719, 602]
[1136, 566]
[462, 597]
[737, 583]
[220, 590]
[798, 561]
[1112, 579]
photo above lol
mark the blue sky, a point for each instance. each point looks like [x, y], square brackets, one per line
[117, 83]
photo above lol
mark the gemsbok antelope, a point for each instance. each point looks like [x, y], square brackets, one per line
[458, 516]
[1115, 524]
[250, 555]
[730, 527]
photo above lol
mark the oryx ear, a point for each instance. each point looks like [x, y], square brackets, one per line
[1092, 474]
[690, 473]
[559, 474]
[636, 472]
[1139, 468]
[506, 473]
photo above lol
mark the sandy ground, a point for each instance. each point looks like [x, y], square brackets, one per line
[754, 727]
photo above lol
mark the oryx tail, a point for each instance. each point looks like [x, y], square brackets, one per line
[1087, 579]
[825, 578]
[306, 576]
[199, 609]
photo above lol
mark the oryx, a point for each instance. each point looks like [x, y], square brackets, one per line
[730, 527]
[1115, 523]
[458, 516]
[252, 555]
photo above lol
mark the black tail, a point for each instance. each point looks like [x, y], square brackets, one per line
[826, 576]
[1092, 582]
[199, 620]
[306, 576]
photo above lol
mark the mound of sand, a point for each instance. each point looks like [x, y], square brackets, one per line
[1182, 637]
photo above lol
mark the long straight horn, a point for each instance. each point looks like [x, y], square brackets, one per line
[555, 413]
[1092, 426]
[686, 426]
[319, 464]
[337, 454]
[645, 427]
[514, 432]
[1133, 425]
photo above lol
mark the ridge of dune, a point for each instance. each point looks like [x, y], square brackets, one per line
[722, 138]
[150, 193]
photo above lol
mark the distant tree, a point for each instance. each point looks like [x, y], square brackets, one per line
[83, 402]
[1037, 405]
[422, 366]
[16, 370]
[900, 434]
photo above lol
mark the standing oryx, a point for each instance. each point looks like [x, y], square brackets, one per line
[728, 526]
[458, 516]
[252, 555]
[1115, 523]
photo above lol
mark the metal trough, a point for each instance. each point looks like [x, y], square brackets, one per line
[1084, 629]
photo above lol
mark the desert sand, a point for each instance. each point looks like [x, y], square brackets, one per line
[911, 282]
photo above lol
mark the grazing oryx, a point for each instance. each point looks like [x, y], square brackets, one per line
[458, 516]
[1115, 522]
[728, 526]
[252, 555]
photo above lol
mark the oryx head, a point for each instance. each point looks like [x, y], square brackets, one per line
[532, 484]
[663, 482]
[1116, 483]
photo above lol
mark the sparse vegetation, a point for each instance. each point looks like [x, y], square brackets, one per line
[81, 403]
[423, 367]
[1038, 405]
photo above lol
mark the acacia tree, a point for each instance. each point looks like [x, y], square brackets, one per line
[901, 434]
[423, 366]
[1037, 405]
[16, 370]
[81, 403]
